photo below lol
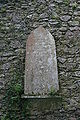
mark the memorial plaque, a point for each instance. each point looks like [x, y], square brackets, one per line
[41, 75]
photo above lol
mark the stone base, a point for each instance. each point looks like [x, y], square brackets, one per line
[42, 104]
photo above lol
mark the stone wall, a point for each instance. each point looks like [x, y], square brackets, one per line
[62, 18]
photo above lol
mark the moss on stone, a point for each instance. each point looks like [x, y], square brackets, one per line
[74, 5]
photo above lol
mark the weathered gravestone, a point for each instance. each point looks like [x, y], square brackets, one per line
[41, 75]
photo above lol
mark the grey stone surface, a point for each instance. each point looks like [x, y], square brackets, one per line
[73, 23]
[41, 75]
[58, 1]
[65, 18]
[26, 14]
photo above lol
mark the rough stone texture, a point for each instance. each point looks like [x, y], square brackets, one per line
[17, 20]
[41, 76]
[65, 18]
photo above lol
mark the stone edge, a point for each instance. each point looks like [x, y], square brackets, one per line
[41, 97]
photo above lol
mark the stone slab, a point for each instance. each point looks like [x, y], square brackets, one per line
[41, 75]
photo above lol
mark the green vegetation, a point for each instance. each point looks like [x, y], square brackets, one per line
[14, 107]
[66, 2]
[3, 10]
[74, 6]
[52, 91]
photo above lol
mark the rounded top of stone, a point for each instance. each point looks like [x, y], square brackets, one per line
[40, 28]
